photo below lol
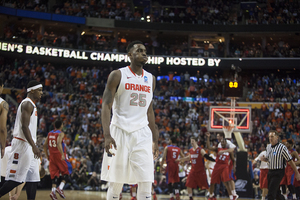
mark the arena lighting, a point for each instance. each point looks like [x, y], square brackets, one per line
[148, 20]
[142, 18]
[82, 33]
[148, 17]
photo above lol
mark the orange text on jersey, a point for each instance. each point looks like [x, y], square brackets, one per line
[137, 87]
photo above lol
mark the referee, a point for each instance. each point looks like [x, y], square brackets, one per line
[277, 155]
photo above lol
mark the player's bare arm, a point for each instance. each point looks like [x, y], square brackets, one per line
[208, 142]
[164, 156]
[45, 147]
[107, 101]
[295, 154]
[152, 126]
[3, 131]
[27, 109]
[59, 146]
[183, 159]
[233, 161]
[205, 155]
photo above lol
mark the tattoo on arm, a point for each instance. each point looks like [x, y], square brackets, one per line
[6, 106]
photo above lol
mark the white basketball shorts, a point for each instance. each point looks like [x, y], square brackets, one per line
[133, 160]
[22, 166]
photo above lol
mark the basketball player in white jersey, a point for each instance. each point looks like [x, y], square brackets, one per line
[131, 137]
[264, 169]
[3, 119]
[23, 164]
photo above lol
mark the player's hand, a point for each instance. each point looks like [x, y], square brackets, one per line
[207, 134]
[63, 157]
[109, 141]
[36, 152]
[155, 150]
[297, 177]
[14, 197]
[2, 151]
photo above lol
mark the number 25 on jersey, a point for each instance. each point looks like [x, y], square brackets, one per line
[138, 99]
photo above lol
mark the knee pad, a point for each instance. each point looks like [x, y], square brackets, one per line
[31, 188]
[54, 181]
[144, 190]
[66, 177]
[291, 189]
[283, 189]
[170, 187]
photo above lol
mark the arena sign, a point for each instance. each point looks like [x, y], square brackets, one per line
[104, 56]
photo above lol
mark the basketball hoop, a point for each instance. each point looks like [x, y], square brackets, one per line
[228, 130]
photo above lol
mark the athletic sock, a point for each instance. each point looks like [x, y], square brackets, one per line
[285, 196]
[171, 195]
[211, 195]
[230, 197]
[263, 198]
[294, 196]
[53, 189]
[233, 192]
[190, 195]
[61, 185]
[133, 194]
[176, 191]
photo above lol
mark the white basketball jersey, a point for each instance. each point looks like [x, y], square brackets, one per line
[132, 100]
[18, 132]
[1, 100]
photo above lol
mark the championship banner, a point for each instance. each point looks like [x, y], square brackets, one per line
[57, 52]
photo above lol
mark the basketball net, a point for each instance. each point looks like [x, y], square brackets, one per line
[228, 130]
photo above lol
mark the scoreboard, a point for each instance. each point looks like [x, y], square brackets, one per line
[233, 89]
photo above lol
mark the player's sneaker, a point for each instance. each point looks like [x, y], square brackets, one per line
[177, 196]
[61, 193]
[53, 196]
[172, 198]
[133, 198]
[120, 196]
[191, 198]
[235, 197]
[154, 196]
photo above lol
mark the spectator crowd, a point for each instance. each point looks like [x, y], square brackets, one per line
[73, 94]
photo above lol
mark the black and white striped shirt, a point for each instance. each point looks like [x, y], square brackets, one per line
[277, 156]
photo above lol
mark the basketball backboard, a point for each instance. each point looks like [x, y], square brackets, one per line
[220, 116]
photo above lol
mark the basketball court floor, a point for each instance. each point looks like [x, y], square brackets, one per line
[92, 195]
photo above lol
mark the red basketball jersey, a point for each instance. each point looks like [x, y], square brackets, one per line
[52, 142]
[196, 160]
[172, 154]
[223, 158]
[288, 167]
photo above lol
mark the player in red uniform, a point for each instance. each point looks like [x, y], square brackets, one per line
[59, 163]
[197, 175]
[221, 169]
[297, 183]
[171, 153]
[288, 178]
